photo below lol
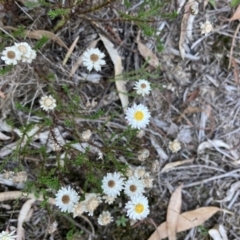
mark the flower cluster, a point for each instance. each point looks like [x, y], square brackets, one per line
[206, 27]
[18, 52]
[138, 116]
[137, 207]
[138, 179]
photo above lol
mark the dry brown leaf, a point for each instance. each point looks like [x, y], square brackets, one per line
[173, 211]
[76, 65]
[70, 50]
[187, 221]
[172, 165]
[146, 53]
[235, 16]
[38, 34]
[117, 61]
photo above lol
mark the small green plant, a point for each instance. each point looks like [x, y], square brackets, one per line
[121, 221]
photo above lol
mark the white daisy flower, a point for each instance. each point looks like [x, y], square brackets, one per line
[174, 146]
[5, 235]
[92, 201]
[206, 27]
[11, 55]
[66, 198]
[112, 184]
[79, 209]
[47, 103]
[24, 48]
[105, 218]
[108, 199]
[137, 208]
[142, 87]
[138, 116]
[92, 58]
[139, 172]
[133, 187]
[29, 59]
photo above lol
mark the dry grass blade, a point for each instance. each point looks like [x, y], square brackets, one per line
[172, 165]
[70, 50]
[187, 221]
[38, 34]
[184, 25]
[146, 53]
[173, 211]
[117, 61]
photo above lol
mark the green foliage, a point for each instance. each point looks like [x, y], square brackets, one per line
[39, 44]
[58, 12]
[203, 230]
[19, 32]
[6, 69]
[121, 221]
[234, 3]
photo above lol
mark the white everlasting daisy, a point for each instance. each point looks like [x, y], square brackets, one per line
[206, 27]
[29, 59]
[133, 187]
[5, 235]
[138, 116]
[92, 201]
[108, 199]
[112, 184]
[24, 48]
[174, 146]
[47, 103]
[92, 58]
[142, 87]
[79, 209]
[104, 218]
[137, 208]
[139, 172]
[66, 198]
[11, 55]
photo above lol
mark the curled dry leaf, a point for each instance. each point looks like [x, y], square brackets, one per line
[117, 61]
[172, 165]
[38, 34]
[234, 187]
[173, 211]
[146, 53]
[23, 215]
[187, 221]
[207, 144]
[218, 233]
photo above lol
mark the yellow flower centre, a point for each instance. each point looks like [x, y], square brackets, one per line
[94, 57]
[11, 54]
[48, 102]
[133, 188]
[65, 199]
[143, 85]
[138, 115]
[139, 208]
[111, 183]
[22, 49]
